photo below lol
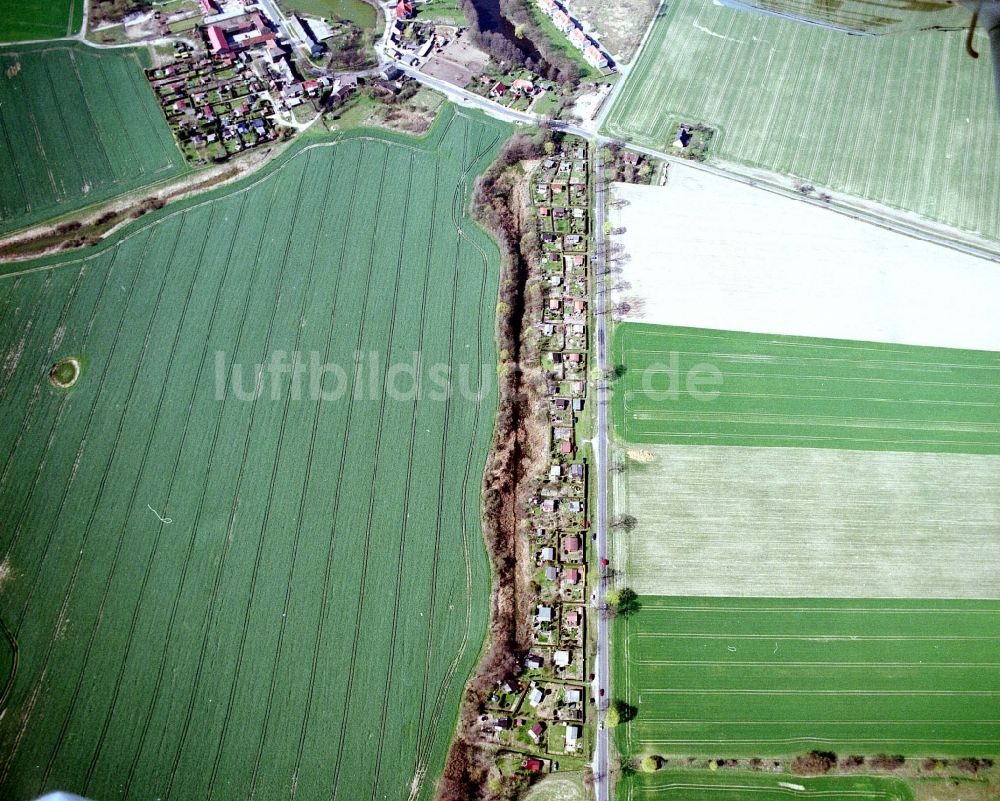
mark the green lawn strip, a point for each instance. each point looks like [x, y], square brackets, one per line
[359, 12]
[727, 785]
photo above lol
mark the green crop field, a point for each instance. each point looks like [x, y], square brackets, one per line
[78, 126]
[39, 19]
[247, 589]
[796, 391]
[765, 677]
[728, 785]
[905, 120]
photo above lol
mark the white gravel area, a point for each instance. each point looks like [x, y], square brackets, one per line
[709, 252]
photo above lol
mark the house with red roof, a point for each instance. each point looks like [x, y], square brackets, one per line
[595, 57]
[217, 41]
[563, 21]
[535, 732]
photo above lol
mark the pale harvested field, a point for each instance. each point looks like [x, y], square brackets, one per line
[800, 522]
[713, 253]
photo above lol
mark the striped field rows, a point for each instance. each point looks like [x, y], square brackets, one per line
[761, 677]
[78, 126]
[687, 385]
[868, 116]
[214, 590]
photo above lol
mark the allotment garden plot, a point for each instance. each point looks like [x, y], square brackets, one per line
[78, 126]
[874, 117]
[762, 677]
[221, 592]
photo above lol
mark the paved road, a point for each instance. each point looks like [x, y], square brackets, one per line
[602, 783]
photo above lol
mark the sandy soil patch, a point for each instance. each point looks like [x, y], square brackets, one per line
[708, 252]
[800, 522]
[556, 788]
[458, 63]
[618, 25]
[587, 105]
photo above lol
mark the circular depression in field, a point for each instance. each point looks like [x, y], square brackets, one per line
[65, 372]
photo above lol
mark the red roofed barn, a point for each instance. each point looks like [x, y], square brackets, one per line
[217, 39]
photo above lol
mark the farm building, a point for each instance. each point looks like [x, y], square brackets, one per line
[217, 41]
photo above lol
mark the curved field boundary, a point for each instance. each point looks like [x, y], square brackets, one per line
[8, 635]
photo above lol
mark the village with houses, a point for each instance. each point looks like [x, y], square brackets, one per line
[246, 86]
[569, 26]
[246, 73]
[538, 719]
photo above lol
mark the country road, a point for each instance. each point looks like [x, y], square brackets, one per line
[602, 782]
